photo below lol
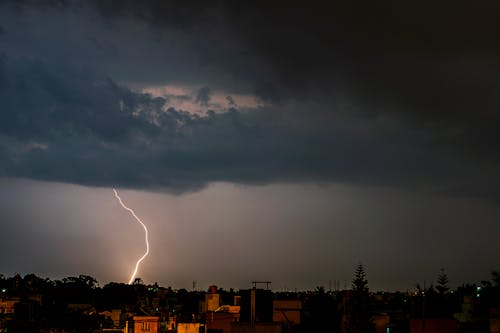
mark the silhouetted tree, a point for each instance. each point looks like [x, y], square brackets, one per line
[489, 291]
[35, 284]
[88, 281]
[359, 317]
[360, 283]
[442, 282]
[495, 277]
[443, 300]
[81, 289]
[138, 281]
[117, 295]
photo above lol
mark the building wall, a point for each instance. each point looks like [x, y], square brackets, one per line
[494, 325]
[145, 324]
[212, 302]
[287, 311]
[188, 327]
[7, 307]
[259, 328]
[263, 305]
[115, 317]
[495, 321]
[381, 321]
[221, 321]
[434, 326]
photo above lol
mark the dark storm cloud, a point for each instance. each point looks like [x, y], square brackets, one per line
[89, 130]
[436, 63]
[433, 64]
[203, 96]
[230, 101]
[417, 57]
[359, 93]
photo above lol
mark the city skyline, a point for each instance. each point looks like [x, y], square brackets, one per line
[257, 141]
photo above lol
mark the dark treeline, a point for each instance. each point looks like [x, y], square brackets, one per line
[77, 304]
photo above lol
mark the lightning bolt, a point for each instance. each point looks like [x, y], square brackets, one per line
[131, 211]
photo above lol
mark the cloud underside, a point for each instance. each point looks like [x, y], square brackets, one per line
[361, 104]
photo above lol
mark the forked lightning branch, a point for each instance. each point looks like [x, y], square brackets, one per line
[131, 211]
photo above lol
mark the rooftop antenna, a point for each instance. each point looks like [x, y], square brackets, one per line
[254, 283]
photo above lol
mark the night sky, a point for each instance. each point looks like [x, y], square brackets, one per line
[282, 141]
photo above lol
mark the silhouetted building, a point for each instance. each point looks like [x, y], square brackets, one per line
[146, 324]
[220, 322]
[7, 306]
[212, 302]
[190, 328]
[287, 311]
[259, 328]
[382, 322]
[494, 320]
[433, 326]
[263, 306]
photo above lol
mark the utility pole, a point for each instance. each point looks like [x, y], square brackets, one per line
[423, 310]
[252, 310]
